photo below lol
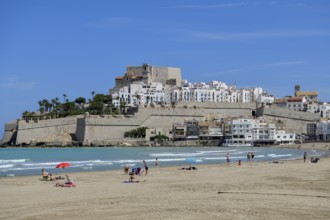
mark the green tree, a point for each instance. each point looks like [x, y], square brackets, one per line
[80, 100]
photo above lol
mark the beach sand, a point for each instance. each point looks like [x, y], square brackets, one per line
[262, 190]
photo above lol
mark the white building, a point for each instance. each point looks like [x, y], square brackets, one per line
[313, 107]
[245, 96]
[296, 103]
[285, 138]
[241, 133]
[323, 130]
[325, 110]
[265, 98]
[139, 94]
[249, 132]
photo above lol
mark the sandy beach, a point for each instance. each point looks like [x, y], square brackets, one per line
[262, 190]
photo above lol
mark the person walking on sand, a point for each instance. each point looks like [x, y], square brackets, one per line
[156, 162]
[248, 157]
[228, 159]
[145, 166]
[305, 157]
[252, 156]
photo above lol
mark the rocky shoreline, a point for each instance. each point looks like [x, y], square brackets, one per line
[121, 143]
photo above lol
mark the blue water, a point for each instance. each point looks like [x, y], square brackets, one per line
[30, 161]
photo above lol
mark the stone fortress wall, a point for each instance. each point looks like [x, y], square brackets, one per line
[295, 121]
[10, 132]
[88, 129]
[107, 128]
[45, 130]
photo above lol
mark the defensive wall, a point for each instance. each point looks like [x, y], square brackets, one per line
[10, 132]
[92, 129]
[30, 131]
[295, 121]
[109, 128]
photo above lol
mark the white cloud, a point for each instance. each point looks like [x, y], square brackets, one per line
[287, 63]
[220, 5]
[186, 35]
[109, 22]
[17, 84]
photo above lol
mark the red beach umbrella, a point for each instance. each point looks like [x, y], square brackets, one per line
[63, 165]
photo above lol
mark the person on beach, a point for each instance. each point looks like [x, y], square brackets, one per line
[131, 177]
[305, 157]
[228, 159]
[252, 156]
[145, 167]
[248, 157]
[69, 182]
[156, 162]
[47, 176]
[126, 169]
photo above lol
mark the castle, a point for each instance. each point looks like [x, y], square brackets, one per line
[153, 90]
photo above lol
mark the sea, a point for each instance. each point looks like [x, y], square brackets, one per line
[30, 161]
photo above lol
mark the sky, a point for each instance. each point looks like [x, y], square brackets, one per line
[73, 47]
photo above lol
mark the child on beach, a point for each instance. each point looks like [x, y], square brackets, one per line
[126, 169]
[228, 159]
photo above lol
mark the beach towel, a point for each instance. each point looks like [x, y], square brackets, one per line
[126, 181]
[67, 184]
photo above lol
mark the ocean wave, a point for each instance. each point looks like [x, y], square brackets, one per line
[175, 154]
[6, 166]
[279, 155]
[14, 161]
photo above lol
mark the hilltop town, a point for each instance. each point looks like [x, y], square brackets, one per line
[153, 106]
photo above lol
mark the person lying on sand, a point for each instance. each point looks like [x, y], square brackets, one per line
[69, 182]
[189, 168]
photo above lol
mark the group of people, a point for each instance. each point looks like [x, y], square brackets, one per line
[48, 176]
[250, 157]
[312, 160]
[137, 171]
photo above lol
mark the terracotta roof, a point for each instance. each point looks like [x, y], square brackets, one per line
[295, 99]
[278, 101]
[311, 93]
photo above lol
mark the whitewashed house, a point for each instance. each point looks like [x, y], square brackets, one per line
[325, 110]
[296, 103]
[323, 130]
[285, 138]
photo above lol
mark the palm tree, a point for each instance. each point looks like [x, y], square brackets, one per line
[41, 106]
[64, 97]
[46, 105]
